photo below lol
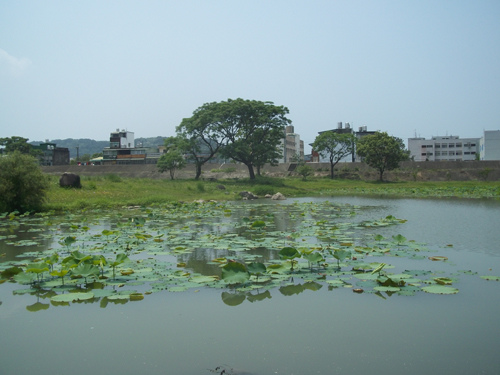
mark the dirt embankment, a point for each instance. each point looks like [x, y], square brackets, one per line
[408, 171]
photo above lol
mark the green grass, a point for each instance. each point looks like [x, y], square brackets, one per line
[112, 192]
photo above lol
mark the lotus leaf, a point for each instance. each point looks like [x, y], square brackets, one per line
[490, 277]
[235, 273]
[71, 297]
[440, 289]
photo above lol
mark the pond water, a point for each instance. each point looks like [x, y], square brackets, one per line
[315, 330]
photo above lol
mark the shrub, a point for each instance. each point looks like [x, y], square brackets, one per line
[23, 185]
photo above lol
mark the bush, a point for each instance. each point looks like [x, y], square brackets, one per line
[23, 185]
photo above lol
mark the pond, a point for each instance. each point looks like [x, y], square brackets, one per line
[334, 316]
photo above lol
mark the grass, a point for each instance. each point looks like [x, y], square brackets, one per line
[114, 191]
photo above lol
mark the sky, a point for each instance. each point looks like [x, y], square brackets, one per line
[82, 69]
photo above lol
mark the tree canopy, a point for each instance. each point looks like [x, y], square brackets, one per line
[198, 136]
[382, 152]
[335, 146]
[20, 144]
[253, 131]
[173, 158]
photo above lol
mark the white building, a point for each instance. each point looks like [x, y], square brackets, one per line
[447, 148]
[489, 145]
[292, 146]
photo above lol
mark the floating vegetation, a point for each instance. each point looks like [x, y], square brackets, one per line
[247, 249]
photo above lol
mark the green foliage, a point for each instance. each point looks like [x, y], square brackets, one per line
[23, 186]
[382, 152]
[171, 161]
[335, 146]
[17, 144]
[235, 273]
[305, 171]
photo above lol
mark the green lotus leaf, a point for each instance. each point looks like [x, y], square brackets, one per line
[289, 253]
[86, 270]
[490, 277]
[235, 273]
[256, 268]
[203, 279]
[258, 224]
[37, 267]
[440, 289]
[443, 280]
[71, 297]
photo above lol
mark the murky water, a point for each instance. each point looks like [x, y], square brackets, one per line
[328, 331]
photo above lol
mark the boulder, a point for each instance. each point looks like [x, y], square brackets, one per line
[278, 197]
[70, 180]
[248, 195]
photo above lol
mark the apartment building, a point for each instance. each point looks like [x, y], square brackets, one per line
[292, 146]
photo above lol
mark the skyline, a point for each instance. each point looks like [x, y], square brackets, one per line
[83, 70]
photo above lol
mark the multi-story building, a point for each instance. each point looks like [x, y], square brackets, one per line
[489, 145]
[52, 155]
[293, 147]
[122, 150]
[443, 148]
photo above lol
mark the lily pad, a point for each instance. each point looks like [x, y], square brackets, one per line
[71, 297]
[440, 289]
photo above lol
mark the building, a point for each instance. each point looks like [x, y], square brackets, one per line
[446, 148]
[489, 145]
[293, 147]
[347, 129]
[122, 150]
[52, 155]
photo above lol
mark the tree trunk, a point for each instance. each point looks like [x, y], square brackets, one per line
[331, 170]
[381, 179]
[258, 170]
[198, 171]
[250, 171]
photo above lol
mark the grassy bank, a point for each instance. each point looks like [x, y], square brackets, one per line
[112, 191]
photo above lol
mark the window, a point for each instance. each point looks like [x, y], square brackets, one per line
[451, 145]
[444, 145]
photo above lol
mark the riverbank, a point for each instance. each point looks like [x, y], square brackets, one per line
[114, 191]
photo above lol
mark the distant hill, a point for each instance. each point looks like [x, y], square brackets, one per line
[90, 146]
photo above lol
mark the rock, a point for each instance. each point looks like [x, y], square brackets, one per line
[70, 180]
[248, 195]
[221, 187]
[278, 197]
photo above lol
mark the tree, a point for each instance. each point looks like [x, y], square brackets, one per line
[334, 146]
[252, 131]
[171, 161]
[23, 185]
[20, 144]
[198, 137]
[382, 152]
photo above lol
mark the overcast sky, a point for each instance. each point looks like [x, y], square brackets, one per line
[82, 69]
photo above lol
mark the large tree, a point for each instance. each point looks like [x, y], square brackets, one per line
[252, 131]
[198, 136]
[334, 146]
[173, 158]
[382, 152]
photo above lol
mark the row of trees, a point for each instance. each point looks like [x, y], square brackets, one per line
[250, 132]
[379, 150]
